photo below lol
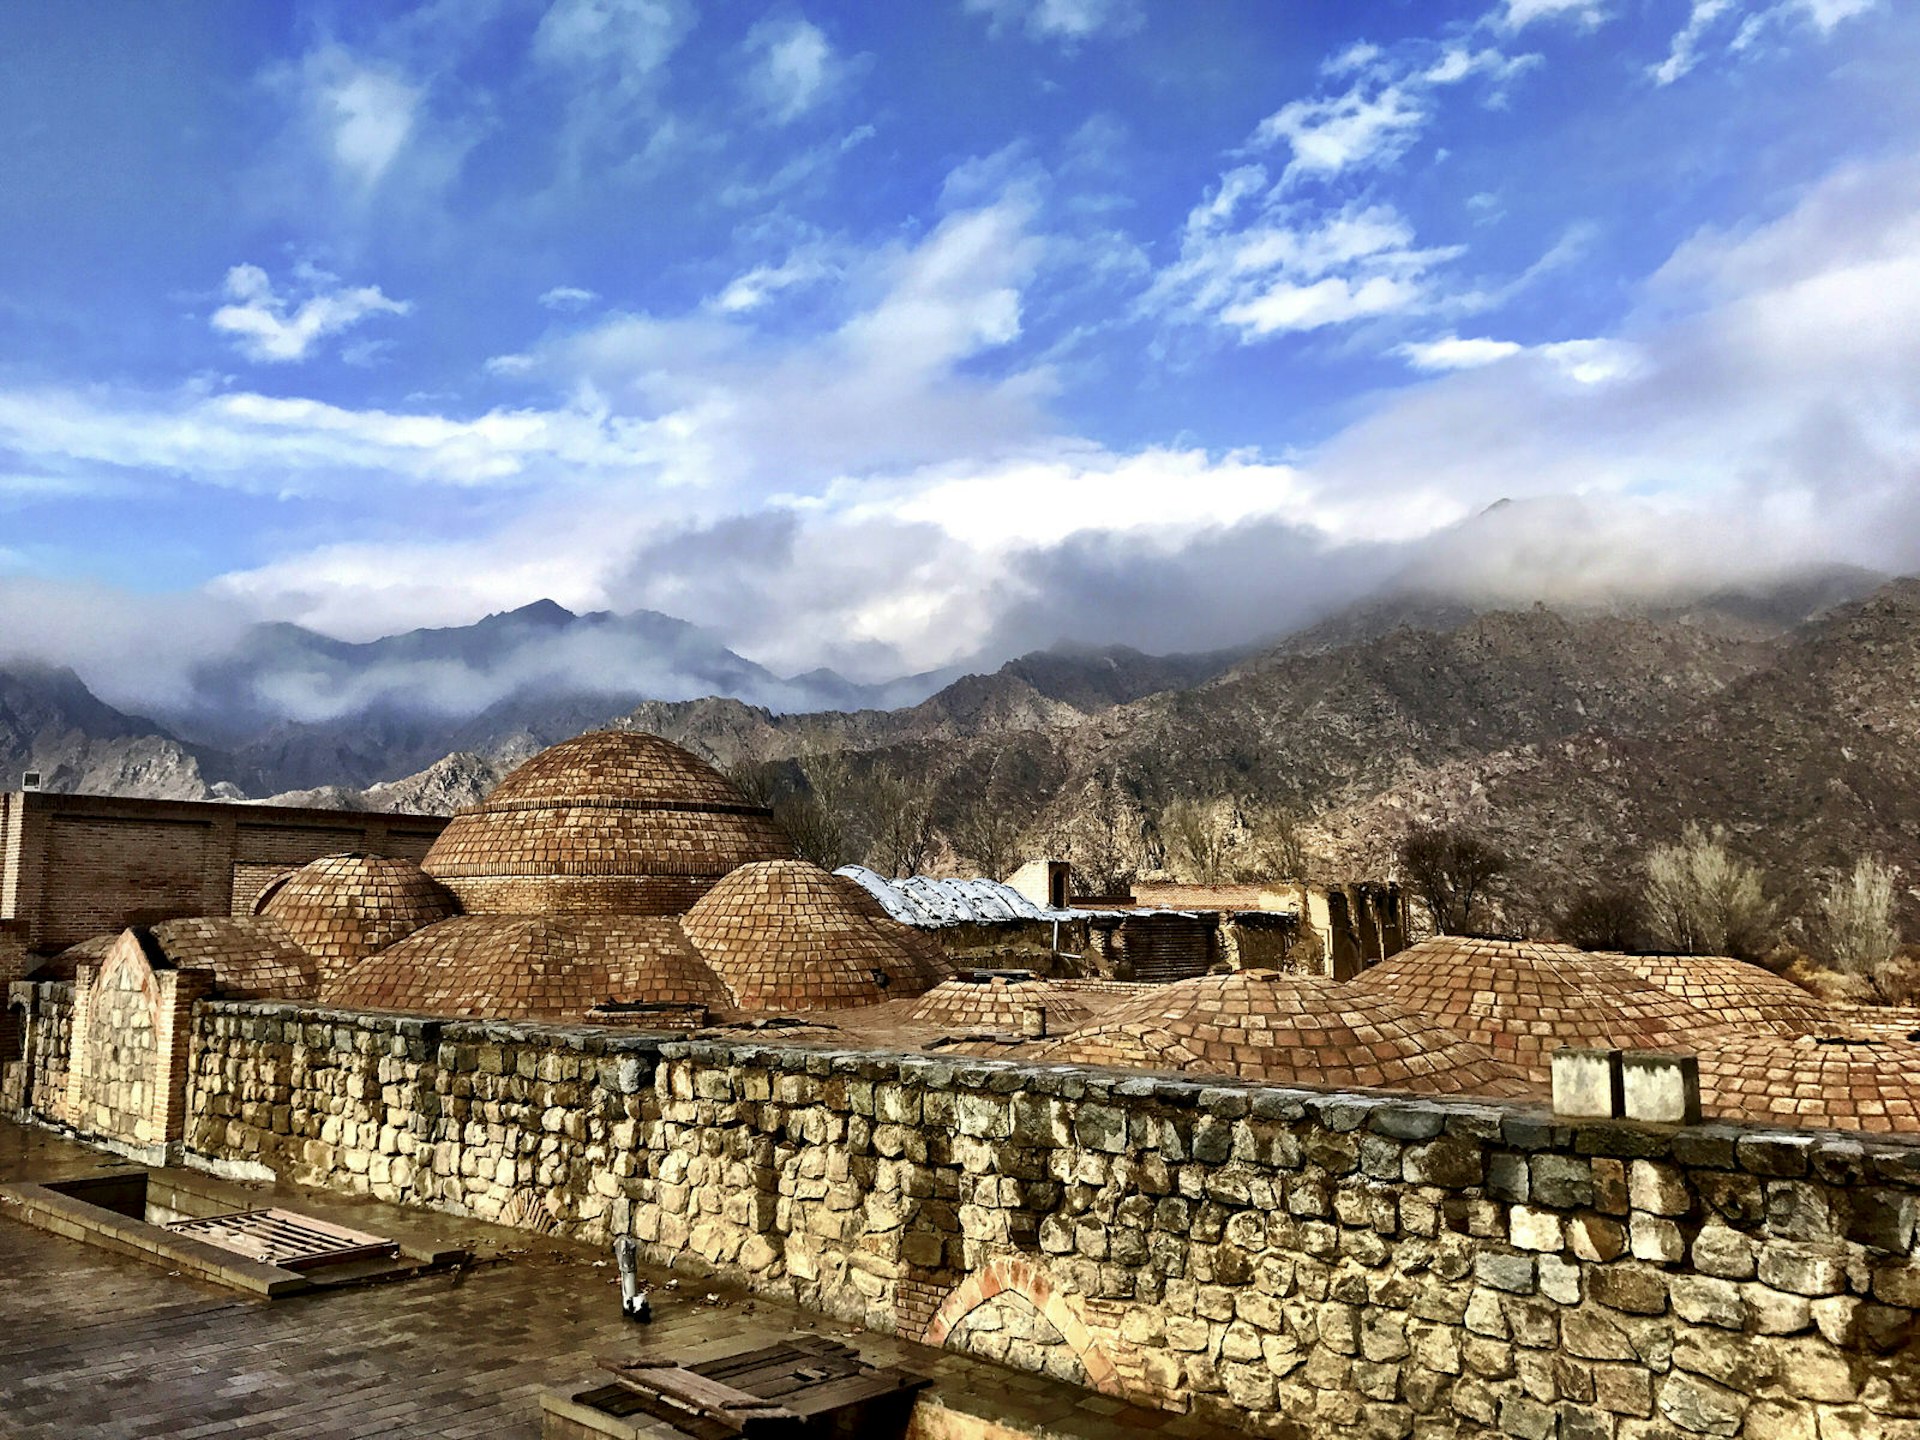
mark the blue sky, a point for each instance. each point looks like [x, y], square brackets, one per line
[889, 336]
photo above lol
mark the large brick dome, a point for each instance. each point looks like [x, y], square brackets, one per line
[613, 822]
[1523, 999]
[1288, 1030]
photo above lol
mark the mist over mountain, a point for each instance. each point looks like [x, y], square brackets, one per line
[1576, 736]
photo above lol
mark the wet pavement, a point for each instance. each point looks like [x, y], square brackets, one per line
[103, 1346]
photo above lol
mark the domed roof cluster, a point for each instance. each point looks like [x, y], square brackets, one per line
[1524, 999]
[1291, 1030]
[610, 823]
[618, 868]
[614, 867]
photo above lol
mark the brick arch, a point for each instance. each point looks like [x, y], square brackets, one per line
[1028, 1281]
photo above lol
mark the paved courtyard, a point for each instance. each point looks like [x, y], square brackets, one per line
[103, 1346]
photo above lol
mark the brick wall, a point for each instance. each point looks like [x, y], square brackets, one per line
[1298, 1263]
[75, 866]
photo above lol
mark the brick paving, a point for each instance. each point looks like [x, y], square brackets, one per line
[112, 1348]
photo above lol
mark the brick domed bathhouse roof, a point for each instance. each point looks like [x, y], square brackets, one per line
[532, 967]
[996, 1002]
[1842, 1083]
[251, 958]
[610, 823]
[342, 908]
[1524, 999]
[1287, 1029]
[1731, 990]
[786, 935]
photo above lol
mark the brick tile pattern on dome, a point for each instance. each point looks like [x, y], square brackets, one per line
[1523, 999]
[613, 822]
[998, 1003]
[342, 908]
[251, 958]
[786, 935]
[1731, 990]
[534, 967]
[1288, 1029]
[1807, 1080]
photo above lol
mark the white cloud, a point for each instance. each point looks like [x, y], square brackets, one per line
[267, 326]
[792, 67]
[1063, 20]
[1585, 13]
[757, 286]
[568, 297]
[1384, 110]
[632, 38]
[1262, 266]
[1450, 352]
[1704, 22]
[613, 55]
[293, 446]
[1683, 53]
[888, 490]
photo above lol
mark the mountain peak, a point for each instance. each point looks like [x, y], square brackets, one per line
[539, 612]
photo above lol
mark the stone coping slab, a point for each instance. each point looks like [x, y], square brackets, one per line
[62, 1206]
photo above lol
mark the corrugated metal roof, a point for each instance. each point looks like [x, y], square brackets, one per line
[931, 904]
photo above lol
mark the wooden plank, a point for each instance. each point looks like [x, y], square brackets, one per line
[710, 1397]
[854, 1390]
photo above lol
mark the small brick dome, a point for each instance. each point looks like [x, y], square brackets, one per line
[610, 823]
[342, 908]
[251, 958]
[1289, 1030]
[1000, 1003]
[1731, 990]
[786, 935]
[1524, 999]
[535, 967]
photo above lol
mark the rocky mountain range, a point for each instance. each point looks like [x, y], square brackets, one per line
[1575, 740]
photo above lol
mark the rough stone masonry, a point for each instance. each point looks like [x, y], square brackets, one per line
[1293, 1262]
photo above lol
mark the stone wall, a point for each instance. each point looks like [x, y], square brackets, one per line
[536, 1125]
[35, 1087]
[1295, 1262]
[130, 1035]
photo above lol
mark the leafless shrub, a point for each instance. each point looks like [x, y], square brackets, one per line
[1853, 926]
[1703, 900]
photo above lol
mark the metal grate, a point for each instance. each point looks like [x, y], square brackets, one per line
[807, 1385]
[283, 1238]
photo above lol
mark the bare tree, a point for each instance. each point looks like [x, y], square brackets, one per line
[1451, 869]
[901, 811]
[986, 831]
[1854, 927]
[1603, 917]
[1105, 841]
[1198, 840]
[1703, 900]
[1275, 848]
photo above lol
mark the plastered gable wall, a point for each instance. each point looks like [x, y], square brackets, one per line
[1296, 1263]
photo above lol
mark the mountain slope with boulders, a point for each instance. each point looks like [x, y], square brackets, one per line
[1575, 741]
